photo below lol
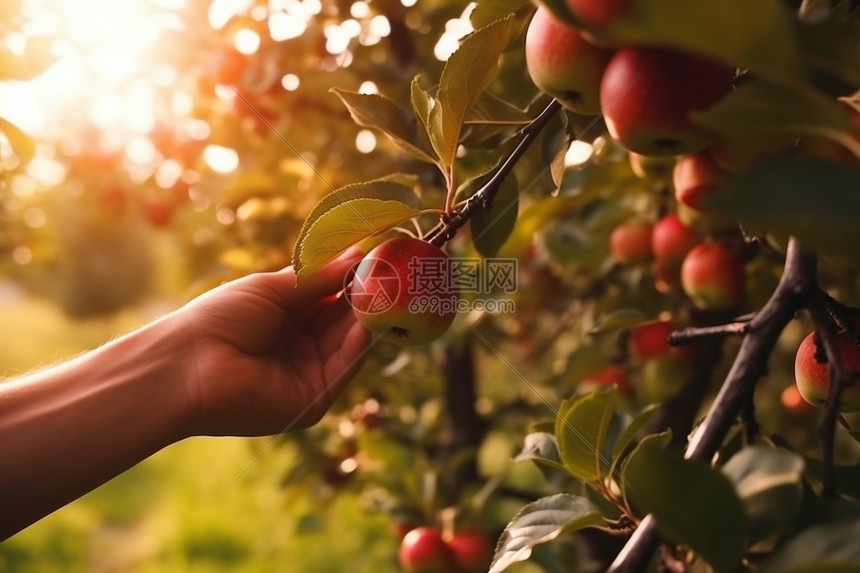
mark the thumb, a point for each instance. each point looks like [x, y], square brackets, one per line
[332, 277]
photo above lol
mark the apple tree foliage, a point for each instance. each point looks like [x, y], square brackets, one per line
[689, 461]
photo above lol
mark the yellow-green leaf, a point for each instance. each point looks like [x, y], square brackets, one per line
[345, 225]
[466, 74]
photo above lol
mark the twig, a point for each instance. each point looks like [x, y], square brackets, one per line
[840, 378]
[798, 280]
[483, 197]
[694, 333]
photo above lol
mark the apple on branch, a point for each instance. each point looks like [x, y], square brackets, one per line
[713, 277]
[424, 551]
[472, 550]
[405, 291]
[648, 94]
[813, 376]
[564, 64]
[630, 242]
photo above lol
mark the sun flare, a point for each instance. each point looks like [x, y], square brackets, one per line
[101, 74]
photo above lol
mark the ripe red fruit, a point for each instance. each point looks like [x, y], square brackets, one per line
[405, 290]
[696, 176]
[600, 14]
[713, 277]
[611, 375]
[630, 242]
[813, 377]
[671, 240]
[472, 550]
[424, 551]
[563, 64]
[651, 340]
[647, 95]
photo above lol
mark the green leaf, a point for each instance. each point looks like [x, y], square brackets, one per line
[488, 11]
[542, 448]
[759, 110]
[618, 320]
[769, 483]
[694, 504]
[542, 521]
[815, 200]
[626, 437]
[760, 35]
[581, 428]
[466, 74]
[346, 225]
[827, 548]
[492, 227]
[490, 109]
[376, 111]
[386, 189]
[21, 143]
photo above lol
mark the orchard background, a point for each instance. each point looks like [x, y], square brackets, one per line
[152, 149]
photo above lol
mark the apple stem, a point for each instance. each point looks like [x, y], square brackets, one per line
[483, 197]
[792, 293]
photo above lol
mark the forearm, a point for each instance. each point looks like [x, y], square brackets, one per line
[67, 429]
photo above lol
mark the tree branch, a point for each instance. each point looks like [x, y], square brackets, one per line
[483, 197]
[840, 378]
[797, 282]
[464, 429]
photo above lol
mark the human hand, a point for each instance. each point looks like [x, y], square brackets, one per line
[264, 356]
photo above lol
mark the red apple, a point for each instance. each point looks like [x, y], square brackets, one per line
[563, 64]
[651, 340]
[404, 290]
[630, 242]
[424, 551]
[813, 377]
[611, 375]
[600, 14]
[696, 176]
[647, 95]
[667, 278]
[671, 240]
[713, 277]
[473, 551]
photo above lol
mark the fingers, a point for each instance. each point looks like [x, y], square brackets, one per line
[282, 288]
[343, 365]
[331, 278]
